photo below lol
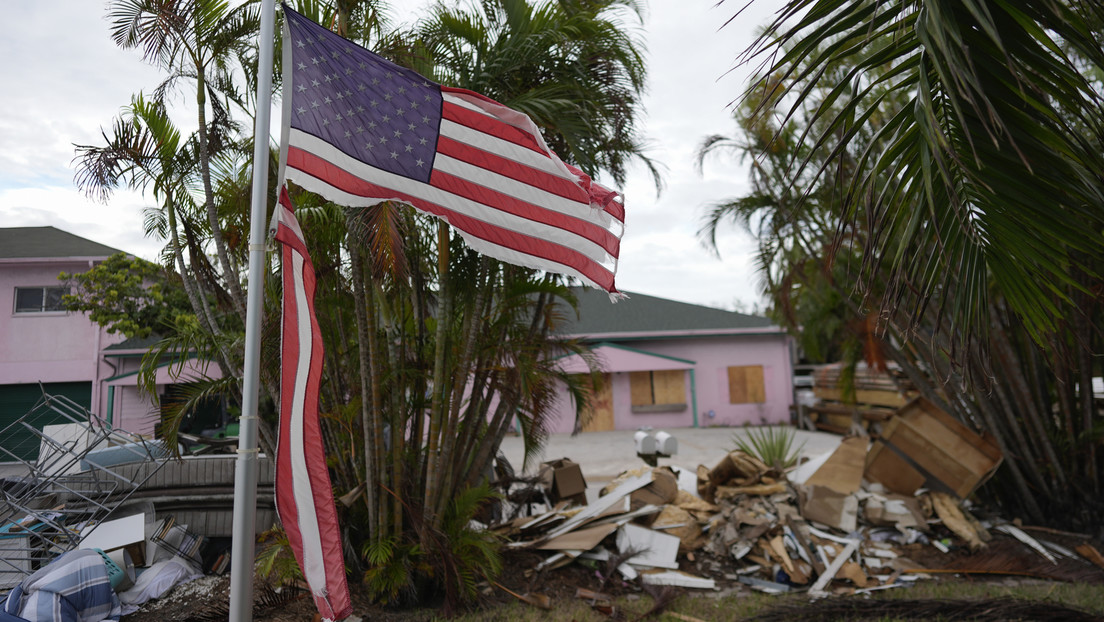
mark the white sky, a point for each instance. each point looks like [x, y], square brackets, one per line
[65, 79]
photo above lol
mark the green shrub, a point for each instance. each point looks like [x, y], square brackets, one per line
[774, 445]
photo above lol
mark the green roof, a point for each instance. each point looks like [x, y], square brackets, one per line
[135, 343]
[640, 313]
[48, 242]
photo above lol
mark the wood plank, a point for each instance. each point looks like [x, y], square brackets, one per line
[669, 386]
[921, 405]
[640, 388]
[883, 465]
[931, 456]
[757, 391]
[864, 396]
[737, 386]
[960, 449]
[600, 412]
[745, 384]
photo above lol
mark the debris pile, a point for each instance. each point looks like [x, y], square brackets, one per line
[73, 484]
[836, 524]
[872, 398]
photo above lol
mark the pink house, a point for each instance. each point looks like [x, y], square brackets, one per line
[669, 364]
[40, 342]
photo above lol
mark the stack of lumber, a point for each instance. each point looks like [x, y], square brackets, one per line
[877, 395]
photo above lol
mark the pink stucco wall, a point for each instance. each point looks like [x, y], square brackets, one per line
[48, 347]
[712, 357]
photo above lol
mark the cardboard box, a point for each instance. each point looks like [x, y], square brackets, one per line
[663, 490]
[828, 507]
[564, 481]
[922, 446]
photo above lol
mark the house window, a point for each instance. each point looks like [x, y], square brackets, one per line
[745, 385]
[39, 299]
[658, 391]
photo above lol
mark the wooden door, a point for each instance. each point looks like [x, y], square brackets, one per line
[600, 416]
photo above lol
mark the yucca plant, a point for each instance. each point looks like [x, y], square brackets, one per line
[774, 445]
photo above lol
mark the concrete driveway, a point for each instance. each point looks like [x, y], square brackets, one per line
[604, 455]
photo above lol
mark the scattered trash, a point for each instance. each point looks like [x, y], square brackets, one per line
[537, 600]
[822, 527]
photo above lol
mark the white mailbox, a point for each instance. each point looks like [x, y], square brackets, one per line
[666, 445]
[645, 443]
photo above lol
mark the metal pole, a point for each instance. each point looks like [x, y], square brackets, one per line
[245, 476]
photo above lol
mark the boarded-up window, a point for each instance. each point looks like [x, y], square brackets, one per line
[662, 390]
[745, 385]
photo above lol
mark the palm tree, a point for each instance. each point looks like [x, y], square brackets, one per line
[444, 350]
[196, 40]
[992, 165]
[575, 67]
[870, 148]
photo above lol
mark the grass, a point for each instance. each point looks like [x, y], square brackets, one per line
[710, 606]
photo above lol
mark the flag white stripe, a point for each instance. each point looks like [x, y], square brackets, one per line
[467, 207]
[314, 569]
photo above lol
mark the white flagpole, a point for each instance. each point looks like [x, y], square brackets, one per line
[245, 476]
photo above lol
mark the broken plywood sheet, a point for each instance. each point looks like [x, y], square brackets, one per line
[897, 511]
[679, 523]
[658, 550]
[662, 490]
[946, 507]
[678, 579]
[843, 470]
[583, 539]
[601, 504]
[828, 507]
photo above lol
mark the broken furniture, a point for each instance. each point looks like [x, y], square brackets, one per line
[922, 446]
[59, 491]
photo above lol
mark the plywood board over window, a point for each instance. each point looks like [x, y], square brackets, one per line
[658, 391]
[745, 385]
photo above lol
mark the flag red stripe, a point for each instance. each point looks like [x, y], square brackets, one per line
[462, 187]
[515, 170]
[519, 172]
[344, 181]
[304, 497]
[484, 155]
[487, 124]
[579, 183]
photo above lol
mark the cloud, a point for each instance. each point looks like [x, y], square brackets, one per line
[66, 79]
[118, 224]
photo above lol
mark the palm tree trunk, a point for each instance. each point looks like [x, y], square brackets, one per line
[1011, 368]
[461, 375]
[376, 415]
[229, 270]
[437, 408]
[372, 492]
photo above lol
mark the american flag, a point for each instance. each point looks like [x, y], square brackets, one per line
[304, 496]
[359, 129]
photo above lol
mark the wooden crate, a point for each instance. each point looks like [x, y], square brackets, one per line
[923, 446]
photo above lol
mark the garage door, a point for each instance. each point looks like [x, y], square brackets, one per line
[16, 400]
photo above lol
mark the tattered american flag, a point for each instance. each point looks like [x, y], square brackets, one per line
[304, 497]
[360, 129]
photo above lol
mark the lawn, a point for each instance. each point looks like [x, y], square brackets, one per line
[951, 599]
